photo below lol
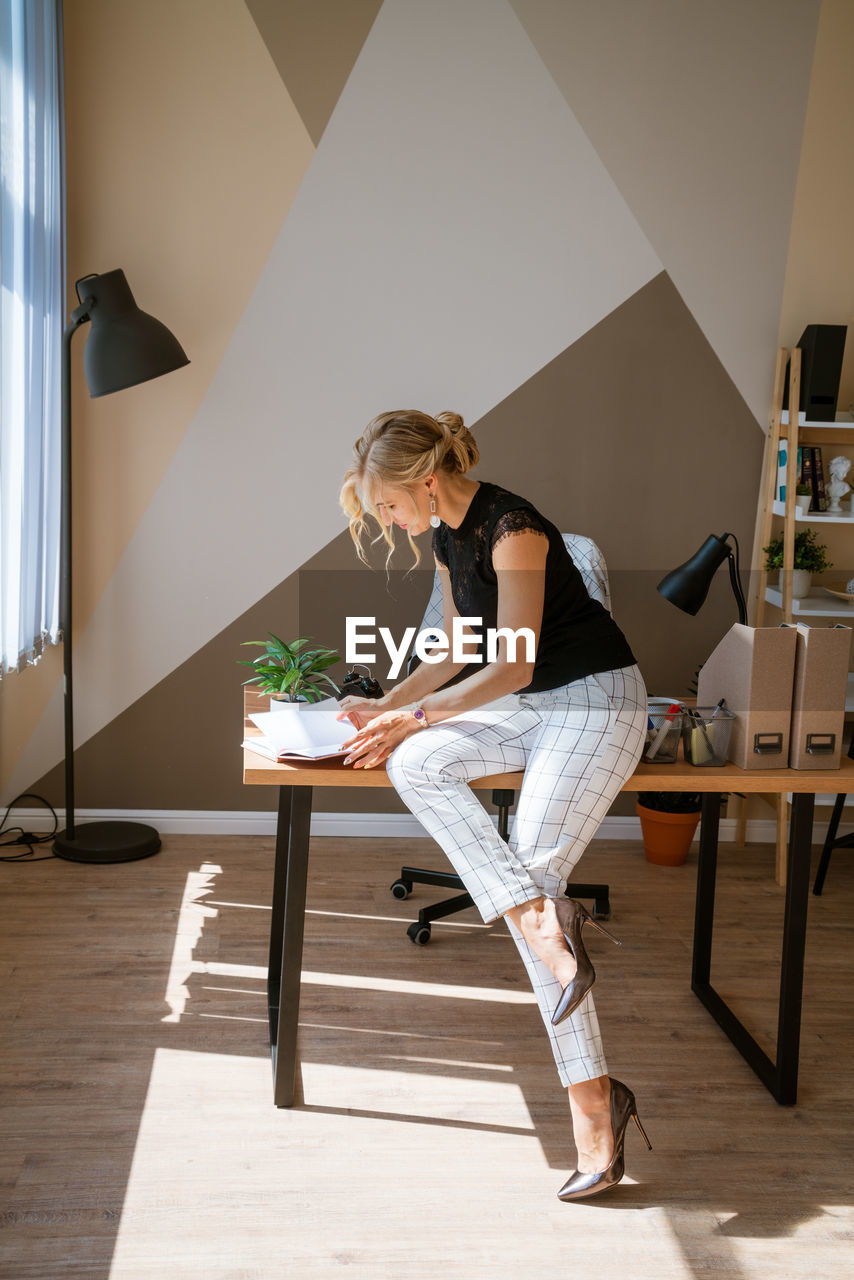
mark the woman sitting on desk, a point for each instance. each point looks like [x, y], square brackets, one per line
[574, 719]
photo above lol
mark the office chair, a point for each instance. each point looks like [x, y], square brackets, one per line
[590, 562]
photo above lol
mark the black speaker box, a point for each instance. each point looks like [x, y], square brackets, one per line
[823, 346]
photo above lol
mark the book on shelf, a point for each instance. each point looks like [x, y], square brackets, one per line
[782, 464]
[820, 500]
[806, 472]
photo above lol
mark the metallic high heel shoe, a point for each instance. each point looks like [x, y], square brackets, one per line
[572, 917]
[580, 1185]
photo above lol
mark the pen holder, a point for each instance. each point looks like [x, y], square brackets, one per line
[664, 726]
[706, 738]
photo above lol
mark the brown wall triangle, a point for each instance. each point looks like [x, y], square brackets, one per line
[314, 47]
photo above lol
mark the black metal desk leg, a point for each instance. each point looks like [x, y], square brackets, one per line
[704, 910]
[779, 1076]
[286, 936]
[280, 880]
[830, 839]
[794, 945]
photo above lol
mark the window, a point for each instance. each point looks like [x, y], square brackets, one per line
[32, 273]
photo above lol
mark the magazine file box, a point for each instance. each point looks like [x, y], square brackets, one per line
[818, 700]
[753, 669]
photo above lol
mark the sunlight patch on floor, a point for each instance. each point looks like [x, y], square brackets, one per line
[198, 908]
[448, 1062]
[327, 1181]
[192, 917]
[397, 1034]
[364, 915]
[499, 995]
[246, 906]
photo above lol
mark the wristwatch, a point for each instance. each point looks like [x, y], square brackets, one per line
[419, 715]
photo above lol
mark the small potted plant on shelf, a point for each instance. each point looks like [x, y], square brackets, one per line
[803, 497]
[810, 557]
[290, 673]
[668, 822]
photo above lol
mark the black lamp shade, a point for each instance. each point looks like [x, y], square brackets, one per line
[688, 586]
[125, 346]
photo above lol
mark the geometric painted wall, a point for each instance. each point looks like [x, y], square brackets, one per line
[568, 222]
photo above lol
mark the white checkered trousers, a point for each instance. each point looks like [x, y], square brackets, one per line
[577, 745]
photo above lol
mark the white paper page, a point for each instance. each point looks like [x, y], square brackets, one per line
[313, 728]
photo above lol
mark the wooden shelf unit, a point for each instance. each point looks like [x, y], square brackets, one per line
[818, 603]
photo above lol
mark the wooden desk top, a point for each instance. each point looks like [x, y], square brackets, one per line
[260, 771]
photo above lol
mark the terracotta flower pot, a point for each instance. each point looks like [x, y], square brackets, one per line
[667, 836]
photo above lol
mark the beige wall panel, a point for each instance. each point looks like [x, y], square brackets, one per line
[819, 285]
[185, 152]
[314, 47]
[635, 436]
[697, 111]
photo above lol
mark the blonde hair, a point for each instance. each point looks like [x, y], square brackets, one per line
[400, 448]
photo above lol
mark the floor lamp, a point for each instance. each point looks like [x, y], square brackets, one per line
[124, 348]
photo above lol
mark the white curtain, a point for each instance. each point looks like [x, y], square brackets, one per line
[31, 322]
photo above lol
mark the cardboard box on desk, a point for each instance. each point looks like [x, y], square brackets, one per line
[818, 701]
[753, 670]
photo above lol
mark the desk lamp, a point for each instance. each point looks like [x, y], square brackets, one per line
[124, 348]
[688, 586]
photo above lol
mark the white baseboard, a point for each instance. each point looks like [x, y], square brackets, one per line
[395, 826]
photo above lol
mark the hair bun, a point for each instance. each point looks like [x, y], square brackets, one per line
[460, 452]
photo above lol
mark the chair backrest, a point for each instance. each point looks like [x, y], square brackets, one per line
[590, 563]
[586, 557]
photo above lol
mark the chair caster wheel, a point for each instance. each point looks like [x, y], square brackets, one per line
[401, 889]
[419, 934]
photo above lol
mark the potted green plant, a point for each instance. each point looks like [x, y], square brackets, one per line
[668, 823]
[290, 673]
[803, 497]
[810, 557]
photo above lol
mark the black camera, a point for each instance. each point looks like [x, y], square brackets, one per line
[360, 686]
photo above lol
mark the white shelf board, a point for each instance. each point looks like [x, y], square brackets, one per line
[816, 605]
[813, 517]
[842, 419]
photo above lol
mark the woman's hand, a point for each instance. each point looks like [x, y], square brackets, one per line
[358, 710]
[375, 742]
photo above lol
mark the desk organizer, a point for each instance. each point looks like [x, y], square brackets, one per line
[664, 730]
[705, 735]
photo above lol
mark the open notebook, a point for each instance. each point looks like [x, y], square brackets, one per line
[311, 733]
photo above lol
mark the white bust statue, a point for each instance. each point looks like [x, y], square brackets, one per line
[838, 486]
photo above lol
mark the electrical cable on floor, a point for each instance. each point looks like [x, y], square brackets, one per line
[22, 837]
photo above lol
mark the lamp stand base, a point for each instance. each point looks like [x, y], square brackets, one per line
[107, 842]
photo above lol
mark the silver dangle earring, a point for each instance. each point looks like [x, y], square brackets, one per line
[434, 519]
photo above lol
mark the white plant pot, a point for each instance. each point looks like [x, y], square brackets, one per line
[279, 704]
[802, 502]
[801, 583]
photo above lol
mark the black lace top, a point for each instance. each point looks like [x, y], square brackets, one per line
[578, 635]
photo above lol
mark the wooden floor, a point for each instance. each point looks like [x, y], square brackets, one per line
[139, 1138]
